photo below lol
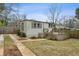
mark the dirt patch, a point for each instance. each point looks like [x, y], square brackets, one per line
[24, 50]
[10, 48]
[1, 51]
[13, 51]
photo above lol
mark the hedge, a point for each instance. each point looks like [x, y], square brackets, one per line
[21, 34]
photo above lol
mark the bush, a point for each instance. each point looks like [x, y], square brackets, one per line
[42, 35]
[21, 34]
[18, 32]
[33, 37]
[51, 36]
[57, 36]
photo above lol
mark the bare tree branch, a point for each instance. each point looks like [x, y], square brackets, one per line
[54, 14]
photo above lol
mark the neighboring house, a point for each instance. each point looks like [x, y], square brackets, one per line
[76, 23]
[12, 27]
[72, 23]
[33, 28]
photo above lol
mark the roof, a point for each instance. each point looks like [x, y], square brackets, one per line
[35, 20]
[77, 19]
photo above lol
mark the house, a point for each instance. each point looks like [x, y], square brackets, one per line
[76, 23]
[12, 27]
[72, 23]
[33, 28]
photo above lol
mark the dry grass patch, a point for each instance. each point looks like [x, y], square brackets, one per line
[10, 48]
[1, 44]
[51, 48]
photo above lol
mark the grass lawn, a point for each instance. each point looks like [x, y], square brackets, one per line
[10, 48]
[1, 45]
[1, 24]
[54, 48]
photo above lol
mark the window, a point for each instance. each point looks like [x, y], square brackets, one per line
[22, 26]
[36, 25]
[50, 25]
[33, 25]
[39, 25]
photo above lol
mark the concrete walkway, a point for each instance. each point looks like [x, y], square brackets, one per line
[32, 40]
[1, 45]
[1, 38]
[28, 39]
[24, 51]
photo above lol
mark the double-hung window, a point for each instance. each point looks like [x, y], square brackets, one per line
[36, 25]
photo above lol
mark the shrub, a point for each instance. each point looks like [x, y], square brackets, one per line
[33, 37]
[51, 36]
[21, 34]
[42, 35]
[57, 36]
[18, 32]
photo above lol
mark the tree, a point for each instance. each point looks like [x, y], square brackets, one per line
[69, 22]
[77, 13]
[54, 13]
[2, 7]
[6, 12]
[24, 17]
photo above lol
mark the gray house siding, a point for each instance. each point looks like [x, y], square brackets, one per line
[31, 31]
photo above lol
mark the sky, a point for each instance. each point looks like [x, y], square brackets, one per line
[40, 11]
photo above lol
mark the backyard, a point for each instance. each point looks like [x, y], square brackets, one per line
[68, 47]
[39, 47]
[39, 29]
